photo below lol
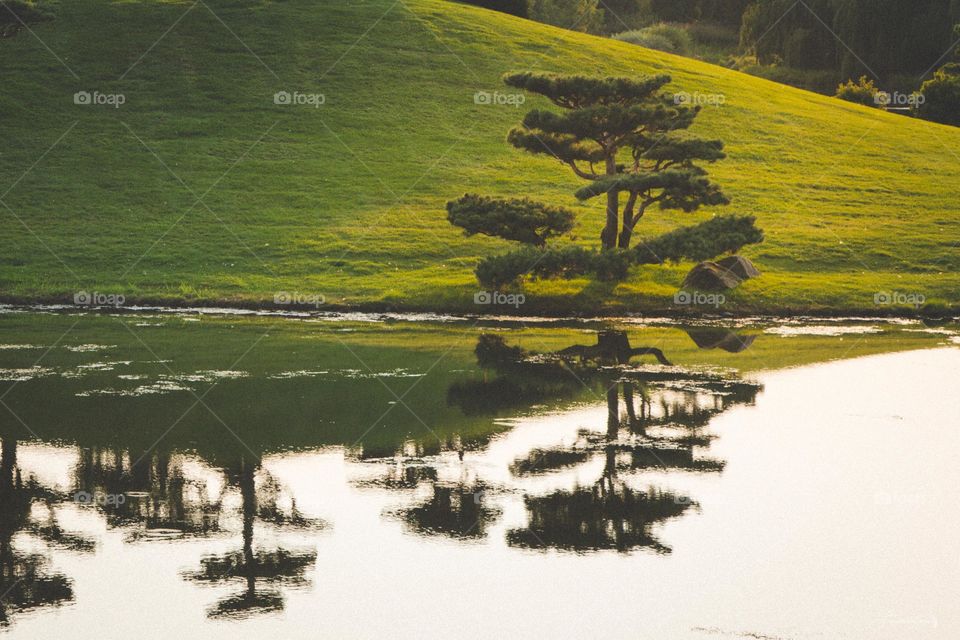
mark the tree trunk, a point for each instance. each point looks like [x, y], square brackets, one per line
[608, 237]
[624, 241]
[628, 222]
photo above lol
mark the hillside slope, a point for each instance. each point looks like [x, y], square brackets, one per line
[200, 187]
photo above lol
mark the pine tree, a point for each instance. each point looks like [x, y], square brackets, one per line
[625, 136]
[519, 219]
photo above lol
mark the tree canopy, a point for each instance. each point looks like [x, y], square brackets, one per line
[519, 219]
[625, 136]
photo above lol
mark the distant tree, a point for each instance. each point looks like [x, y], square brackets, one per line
[621, 134]
[883, 38]
[729, 12]
[620, 15]
[513, 7]
[624, 15]
[942, 95]
[576, 15]
[783, 30]
[675, 10]
[890, 37]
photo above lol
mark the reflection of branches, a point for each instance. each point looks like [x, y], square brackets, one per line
[613, 346]
[458, 511]
[525, 379]
[660, 427]
[539, 460]
[406, 476]
[279, 565]
[593, 519]
[246, 604]
[151, 499]
[53, 534]
[269, 510]
[155, 494]
[455, 509]
[609, 515]
[275, 567]
[26, 581]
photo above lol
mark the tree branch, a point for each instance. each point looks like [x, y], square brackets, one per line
[586, 175]
[643, 208]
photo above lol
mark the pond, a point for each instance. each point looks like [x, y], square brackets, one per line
[206, 474]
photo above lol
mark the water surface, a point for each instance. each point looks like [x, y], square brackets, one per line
[196, 475]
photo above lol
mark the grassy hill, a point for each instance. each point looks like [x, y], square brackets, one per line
[199, 187]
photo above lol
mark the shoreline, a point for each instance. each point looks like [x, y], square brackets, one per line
[379, 312]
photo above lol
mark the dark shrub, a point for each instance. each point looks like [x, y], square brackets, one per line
[942, 96]
[519, 219]
[723, 234]
[565, 262]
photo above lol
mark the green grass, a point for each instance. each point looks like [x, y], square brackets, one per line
[346, 200]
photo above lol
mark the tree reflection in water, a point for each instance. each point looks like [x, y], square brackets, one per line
[612, 514]
[457, 509]
[660, 425]
[26, 580]
[460, 512]
[158, 503]
[162, 503]
[657, 419]
[664, 413]
[275, 567]
[158, 500]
